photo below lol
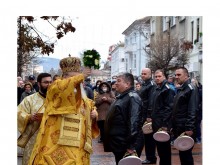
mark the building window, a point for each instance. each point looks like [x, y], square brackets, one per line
[135, 37]
[126, 64]
[192, 29]
[153, 27]
[164, 24]
[126, 41]
[173, 20]
[197, 30]
[134, 61]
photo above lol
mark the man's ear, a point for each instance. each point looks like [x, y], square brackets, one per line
[38, 83]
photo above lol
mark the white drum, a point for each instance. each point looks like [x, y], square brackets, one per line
[183, 142]
[161, 136]
[130, 160]
[147, 128]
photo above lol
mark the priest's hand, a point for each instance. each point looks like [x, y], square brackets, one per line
[93, 114]
[36, 117]
[87, 72]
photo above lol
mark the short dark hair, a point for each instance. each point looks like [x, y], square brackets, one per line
[184, 70]
[128, 77]
[113, 82]
[31, 77]
[55, 76]
[42, 75]
[160, 70]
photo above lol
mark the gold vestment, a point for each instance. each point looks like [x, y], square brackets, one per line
[66, 131]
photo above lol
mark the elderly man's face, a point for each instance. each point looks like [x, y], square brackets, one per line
[121, 85]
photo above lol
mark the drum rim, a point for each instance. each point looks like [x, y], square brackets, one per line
[131, 156]
[161, 132]
[149, 130]
[177, 140]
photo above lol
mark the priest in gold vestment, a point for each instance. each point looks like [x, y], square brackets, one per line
[29, 118]
[68, 124]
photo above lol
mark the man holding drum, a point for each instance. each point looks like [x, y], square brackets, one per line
[184, 111]
[161, 116]
[146, 93]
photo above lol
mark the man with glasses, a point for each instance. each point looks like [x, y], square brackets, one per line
[29, 116]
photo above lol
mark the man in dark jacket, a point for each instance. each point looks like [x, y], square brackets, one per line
[146, 93]
[88, 90]
[31, 79]
[123, 134]
[161, 114]
[184, 111]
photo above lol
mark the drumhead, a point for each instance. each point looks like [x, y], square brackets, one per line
[130, 160]
[183, 143]
[147, 128]
[161, 136]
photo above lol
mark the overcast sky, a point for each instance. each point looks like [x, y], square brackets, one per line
[97, 30]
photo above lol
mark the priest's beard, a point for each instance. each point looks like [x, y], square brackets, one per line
[43, 90]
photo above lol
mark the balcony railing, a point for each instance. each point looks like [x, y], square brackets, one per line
[130, 48]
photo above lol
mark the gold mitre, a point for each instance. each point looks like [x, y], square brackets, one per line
[70, 64]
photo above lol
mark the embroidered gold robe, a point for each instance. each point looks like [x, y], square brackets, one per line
[66, 131]
[30, 105]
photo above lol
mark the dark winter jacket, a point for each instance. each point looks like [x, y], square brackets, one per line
[162, 106]
[123, 122]
[146, 94]
[89, 92]
[36, 87]
[185, 108]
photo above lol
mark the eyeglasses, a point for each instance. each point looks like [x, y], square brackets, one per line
[47, 82]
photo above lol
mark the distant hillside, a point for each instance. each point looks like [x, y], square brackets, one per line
[48, 63]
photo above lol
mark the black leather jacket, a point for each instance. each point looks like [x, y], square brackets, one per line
[123, 122]
[146, 94]
[185, 108]
[162, 106]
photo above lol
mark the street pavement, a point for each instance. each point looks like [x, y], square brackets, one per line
[99, 157]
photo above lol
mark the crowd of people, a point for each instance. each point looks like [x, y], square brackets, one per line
[59, 116]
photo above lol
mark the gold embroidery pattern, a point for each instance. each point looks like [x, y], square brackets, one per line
[55, 136]
[63, 86]
[70, 98]
[44, 149]
[57, 103]
[71, 120]
[52, 121]
[59, 156]
[85, 158]
[71, 129]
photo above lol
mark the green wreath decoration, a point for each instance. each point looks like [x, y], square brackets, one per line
[91, 58]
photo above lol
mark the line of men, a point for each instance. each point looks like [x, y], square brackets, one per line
[173, 113]
[156, 103]
[126, 114]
